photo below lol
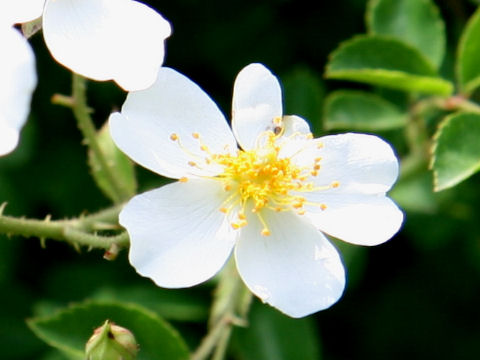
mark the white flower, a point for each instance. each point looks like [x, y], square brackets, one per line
[267, 200]
[17, 81]
[121, 40]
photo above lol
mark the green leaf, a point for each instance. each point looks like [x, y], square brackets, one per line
[468, 71]
[416, 22]
[415, 194]
[303, 93]
[357, 110]
[171, 304]
[385, 61]
[119, 165]
[456, 150]
[69, 329]
[274, 336]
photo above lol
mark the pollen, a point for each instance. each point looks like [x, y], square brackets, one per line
[260, 179]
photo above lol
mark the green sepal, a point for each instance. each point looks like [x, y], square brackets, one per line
[70, 328]
[119, 164]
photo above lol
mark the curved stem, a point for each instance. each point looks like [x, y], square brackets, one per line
[74, 231]
[230, 307]
[81, 112]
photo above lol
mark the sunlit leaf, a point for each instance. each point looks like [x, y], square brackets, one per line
[388, 62]
[416, 22]
[456, 151]
[69, 330]
[356, 110]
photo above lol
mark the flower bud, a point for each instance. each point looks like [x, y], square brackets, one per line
[111, 342]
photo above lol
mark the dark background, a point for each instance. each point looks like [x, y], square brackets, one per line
[416, 296]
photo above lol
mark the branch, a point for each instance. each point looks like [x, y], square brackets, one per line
[74, 231]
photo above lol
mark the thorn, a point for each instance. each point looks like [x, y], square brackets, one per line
[77, 247]
[43, 243]
[2, 207]
[112, 252]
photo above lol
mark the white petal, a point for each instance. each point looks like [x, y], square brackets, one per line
[8, 138]
[360, 163]
[121, 40]
[257, 101]
[172, 105]
[362, 219]
[178, 236]
[18, 80]
[294, 125]
[295, 269]
[20, 11]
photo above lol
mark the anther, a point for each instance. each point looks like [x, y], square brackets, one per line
[323, 206]
[196, 135]
[183, 179]
[192, 163]
[335, 184]
[174, 137]
[265, 232]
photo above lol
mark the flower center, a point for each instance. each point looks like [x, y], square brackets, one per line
[262, 178]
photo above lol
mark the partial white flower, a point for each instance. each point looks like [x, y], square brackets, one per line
[266, 198]
[18, 80]
[120, 40]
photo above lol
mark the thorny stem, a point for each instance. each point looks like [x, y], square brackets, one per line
[76, 231]
[416, 132]
[81, 111]
[230, 307]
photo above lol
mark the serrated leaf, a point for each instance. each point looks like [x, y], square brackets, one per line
[119, 164]
[388, 62]
[456, 150]
[416, 22]
[69, 329]
[468, 71]
[357, 110]
[274, 336]
[303, 93]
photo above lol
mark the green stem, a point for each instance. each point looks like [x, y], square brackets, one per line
[85, 123]
[230, 307]
[74, 231]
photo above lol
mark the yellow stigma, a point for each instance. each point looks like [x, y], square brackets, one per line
[262, 179]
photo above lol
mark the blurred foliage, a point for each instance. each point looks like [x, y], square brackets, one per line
[414, 297]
